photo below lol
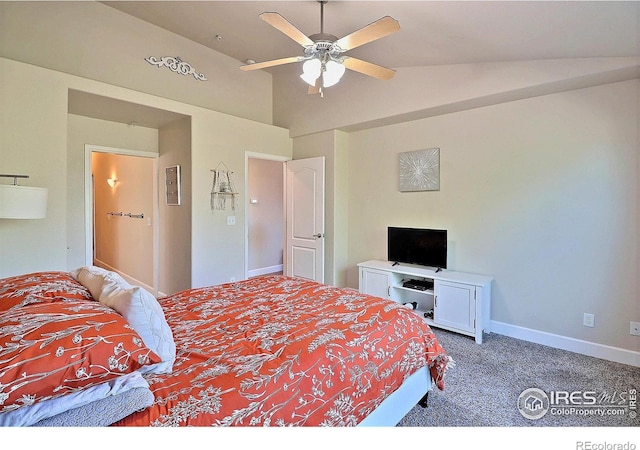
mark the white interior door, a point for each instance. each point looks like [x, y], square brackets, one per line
[304, 242]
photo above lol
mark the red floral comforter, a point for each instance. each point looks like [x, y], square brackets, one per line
[279, 351]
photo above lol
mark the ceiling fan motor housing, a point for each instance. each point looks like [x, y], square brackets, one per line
[325, 37]
[324, 48]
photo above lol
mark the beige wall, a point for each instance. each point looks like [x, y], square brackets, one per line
[97, 42]
[175, 221]
[80, 132]
[125, 244]
[33, 130]
[217, 248]
[173, 144]
[541, 194]
[340, 243]
[34, 98]
[265, 217]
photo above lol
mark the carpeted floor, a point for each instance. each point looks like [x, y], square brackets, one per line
[483, 387]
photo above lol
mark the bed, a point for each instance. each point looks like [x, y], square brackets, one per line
[87, 349]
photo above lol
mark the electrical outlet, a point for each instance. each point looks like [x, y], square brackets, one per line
[635, 328]
[231, 220]
[588, 320]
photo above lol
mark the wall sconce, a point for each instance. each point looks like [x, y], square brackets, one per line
[112, 182]
[22, 202]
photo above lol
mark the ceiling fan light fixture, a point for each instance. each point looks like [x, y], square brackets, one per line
[311, 70]
[322, 51]
[332, 73]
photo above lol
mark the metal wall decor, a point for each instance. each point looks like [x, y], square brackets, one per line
[223, 188]
[420, 170]
[172, 185]
[176, 65]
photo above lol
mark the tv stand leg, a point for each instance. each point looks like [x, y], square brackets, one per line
[423, 401]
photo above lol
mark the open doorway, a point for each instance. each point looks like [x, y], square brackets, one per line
[265, 215]
[122, 231]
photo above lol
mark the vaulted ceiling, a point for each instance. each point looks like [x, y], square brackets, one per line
[448, 55]
[442, 46]
[431, 32]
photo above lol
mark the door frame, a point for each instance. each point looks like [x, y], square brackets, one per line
[89, 149]
[269, 157]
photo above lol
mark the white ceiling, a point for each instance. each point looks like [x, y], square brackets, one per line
[431, 32]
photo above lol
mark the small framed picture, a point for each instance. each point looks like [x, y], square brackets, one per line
[172, 184]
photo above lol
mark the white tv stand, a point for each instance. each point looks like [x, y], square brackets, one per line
[456, 301]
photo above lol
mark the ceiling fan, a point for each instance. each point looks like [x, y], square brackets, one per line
[324, 62]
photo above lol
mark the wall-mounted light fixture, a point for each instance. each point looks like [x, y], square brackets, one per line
[22, 202]
[112, 182]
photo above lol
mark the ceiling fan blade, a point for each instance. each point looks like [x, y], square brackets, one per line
[376, 30]
[367, 68]
[277, 21]
[273, 62]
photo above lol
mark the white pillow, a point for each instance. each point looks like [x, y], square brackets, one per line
[93, 278]
[138, 306]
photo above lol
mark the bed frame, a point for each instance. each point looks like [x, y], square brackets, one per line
[414, 391]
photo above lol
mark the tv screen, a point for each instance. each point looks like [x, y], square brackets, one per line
[420, 246]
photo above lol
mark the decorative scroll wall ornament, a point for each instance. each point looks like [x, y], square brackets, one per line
[176, 65]
[420, 170]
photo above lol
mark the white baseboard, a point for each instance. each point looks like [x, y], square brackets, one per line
[601, 351]
[128, 279]
[264, 270]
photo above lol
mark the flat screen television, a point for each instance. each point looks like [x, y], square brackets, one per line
[421, 246]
